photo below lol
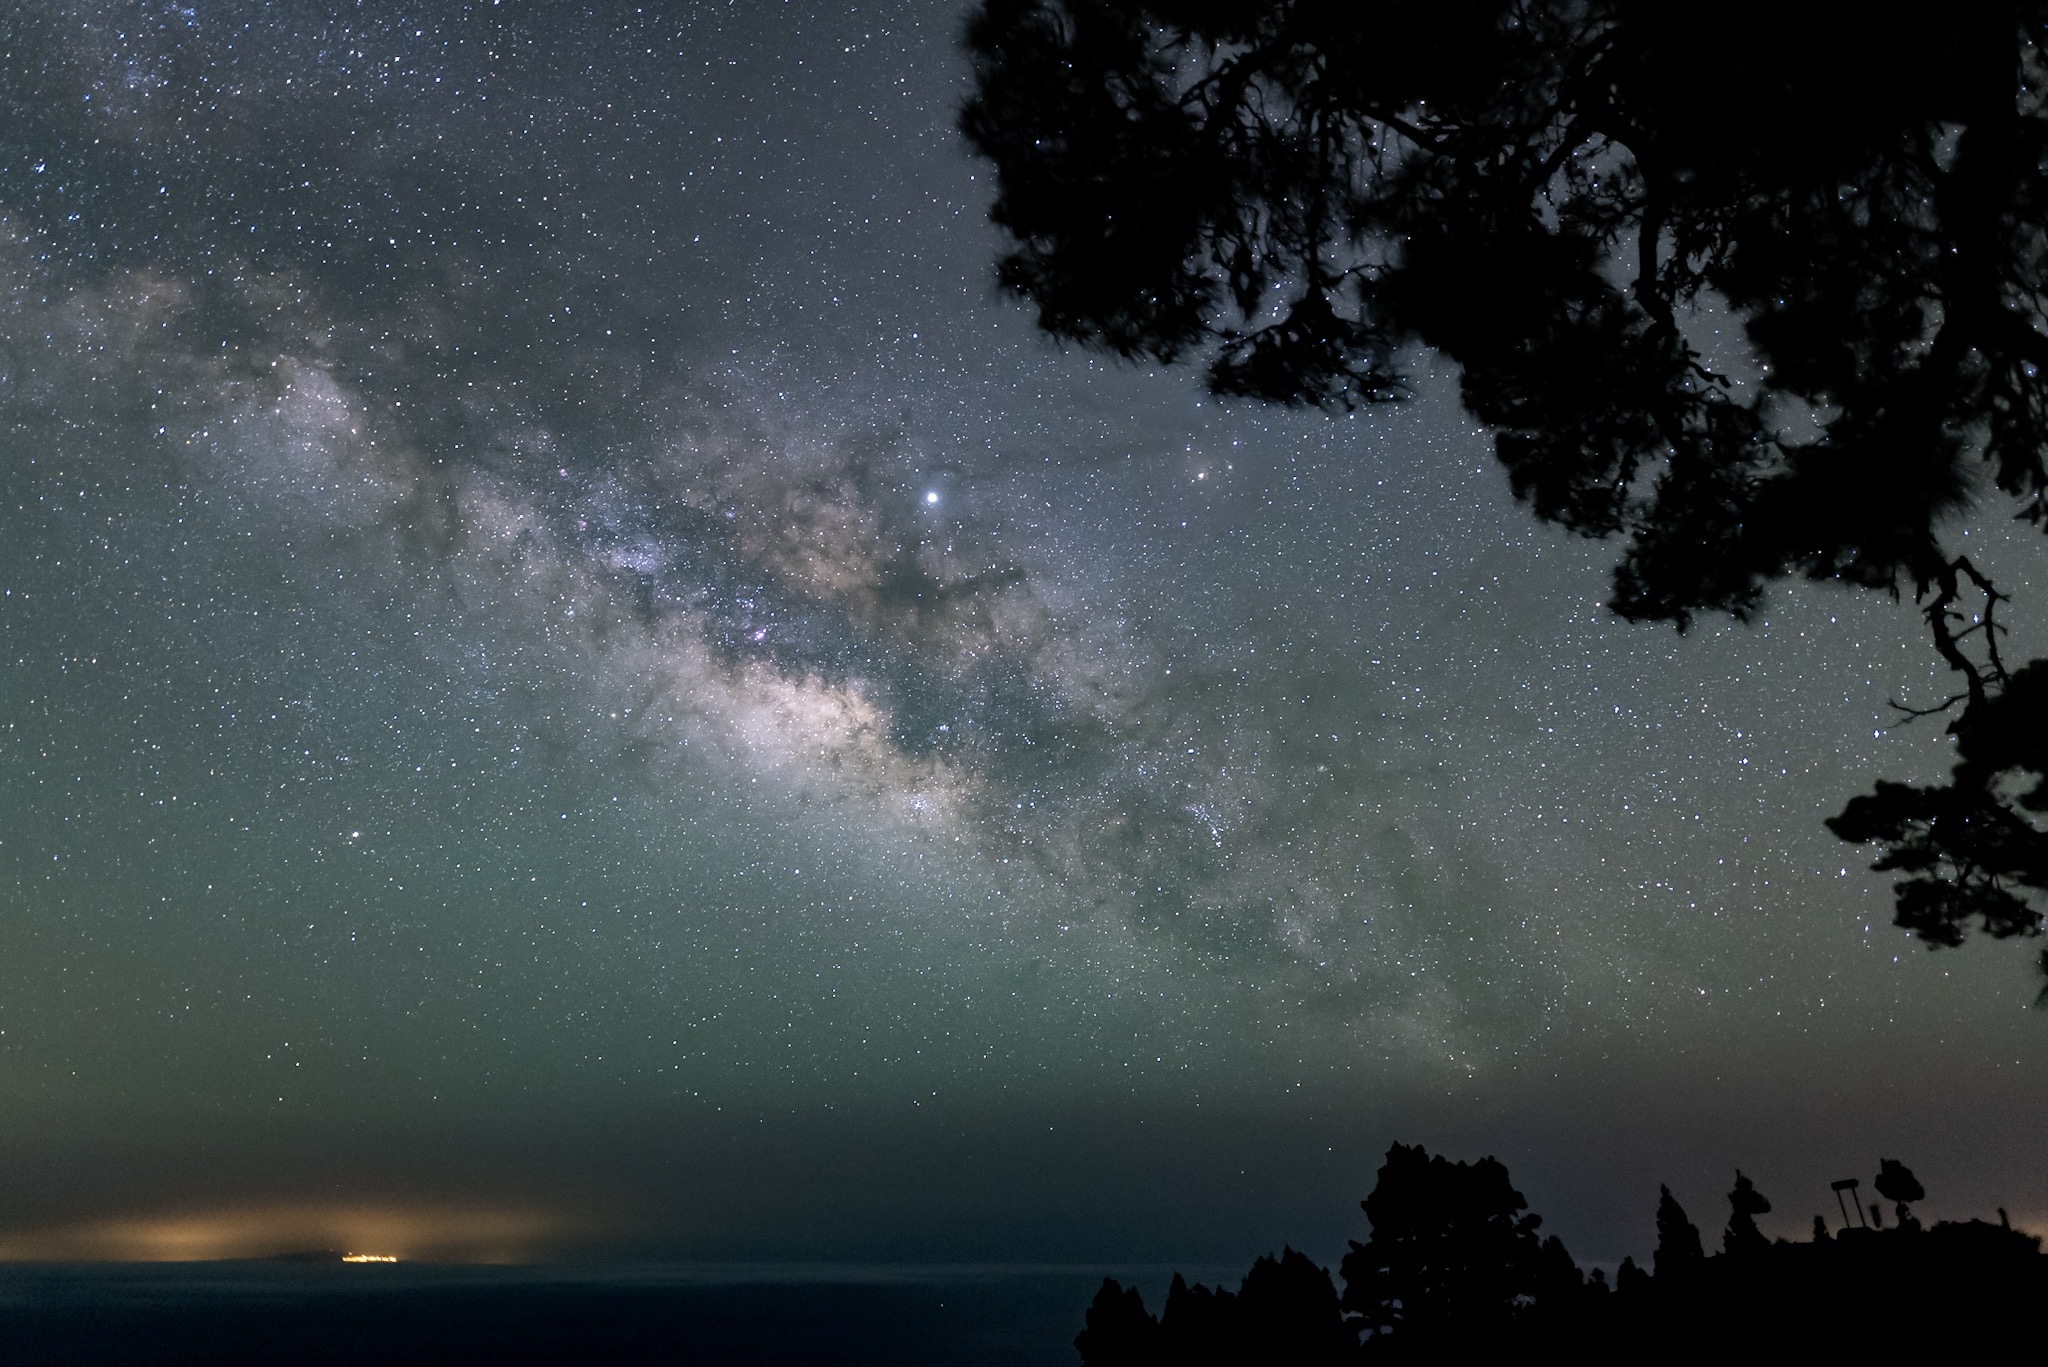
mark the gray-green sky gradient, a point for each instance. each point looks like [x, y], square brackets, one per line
[567, 667]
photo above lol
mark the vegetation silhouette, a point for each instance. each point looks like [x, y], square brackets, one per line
[1563, 197]
[1743, 1239]
[1896, 1183]
[1678, 1239]
[1453, 1271]
[1452, 1253]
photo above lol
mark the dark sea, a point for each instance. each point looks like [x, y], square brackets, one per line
[310, 1314]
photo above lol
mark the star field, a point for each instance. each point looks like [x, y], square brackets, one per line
[560, 646]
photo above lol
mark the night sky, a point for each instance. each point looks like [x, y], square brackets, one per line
[574, 682]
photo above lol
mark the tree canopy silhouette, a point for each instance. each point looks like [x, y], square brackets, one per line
[1896, 1183]
[1547, 192]
[1285, 1310]
[1453, 1272]
[1452, 1252]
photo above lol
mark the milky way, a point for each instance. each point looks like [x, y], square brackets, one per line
[562, 647]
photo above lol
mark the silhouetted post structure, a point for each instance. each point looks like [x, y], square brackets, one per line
[1849, 1184]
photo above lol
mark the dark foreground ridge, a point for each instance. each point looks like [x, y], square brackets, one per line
[1455, 1270]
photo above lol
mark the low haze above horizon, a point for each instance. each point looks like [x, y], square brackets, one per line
[574, 683]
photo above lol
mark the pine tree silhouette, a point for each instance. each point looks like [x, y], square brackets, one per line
[1678, 1239]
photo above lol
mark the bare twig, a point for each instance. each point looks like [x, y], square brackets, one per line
[1912, 714]
[1942, 617]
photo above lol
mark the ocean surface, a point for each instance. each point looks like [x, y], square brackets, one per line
[227, 1314]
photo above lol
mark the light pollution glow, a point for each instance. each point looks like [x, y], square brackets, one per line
[445, 1234]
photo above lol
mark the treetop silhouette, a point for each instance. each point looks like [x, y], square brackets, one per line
[1548, 193]
[1745, 1203]
[1896, 1183]
[1678, 1239]
[1285, 1310]
[1451, 1248]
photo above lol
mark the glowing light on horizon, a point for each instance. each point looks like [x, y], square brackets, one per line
[453, 1234]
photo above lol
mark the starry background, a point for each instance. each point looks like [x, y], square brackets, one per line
[573, 681]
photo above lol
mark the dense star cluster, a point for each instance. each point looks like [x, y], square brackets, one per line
[551, 622]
